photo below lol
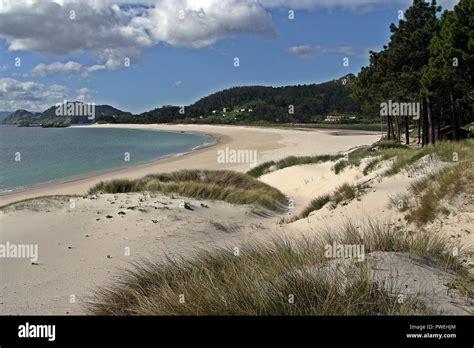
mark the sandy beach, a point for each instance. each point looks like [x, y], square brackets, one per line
[306, 163]
[81, 247]
[83, 241]
[270, 144]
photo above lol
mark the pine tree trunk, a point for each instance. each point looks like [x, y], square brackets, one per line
[439, 123]
[419, 130]
[399, 130]
[430, 125]
[392, 127]
[425, 139]
[407, 131]
[389, 130]
[454, 116]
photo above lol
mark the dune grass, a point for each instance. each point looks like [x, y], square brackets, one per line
[345, 192]
[316, 204]
[228, 186]
[447, 182]
[290, 161]
[295, 277]
[33, 202]
[382, 150]
[424, 199]
[371, 166]
[403, 156]
[278, 278]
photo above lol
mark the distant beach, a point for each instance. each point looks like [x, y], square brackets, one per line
[270, 144]
[83, 240]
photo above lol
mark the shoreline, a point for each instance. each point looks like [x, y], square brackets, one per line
[215, 140]
[271, 144]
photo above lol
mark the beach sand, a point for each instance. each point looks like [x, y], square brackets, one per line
[82, 247]
[269, 143]
[83, 243]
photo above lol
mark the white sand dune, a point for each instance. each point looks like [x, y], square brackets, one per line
[82, 247]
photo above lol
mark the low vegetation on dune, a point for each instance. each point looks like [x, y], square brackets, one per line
[228, 186]
[297, 277]
[424, 199]
[290, 161]
[343, 193]
[402, 156]
[32, 203]
[429, 196]
[278, 278]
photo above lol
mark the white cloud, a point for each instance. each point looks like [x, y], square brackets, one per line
[305, 51]
[111, 33]
[59, 68]
[84, 94]
[104, 32]
[301, 51]
[29, 95]
[194, 23]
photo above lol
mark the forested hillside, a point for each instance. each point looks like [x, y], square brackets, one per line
[288, 104]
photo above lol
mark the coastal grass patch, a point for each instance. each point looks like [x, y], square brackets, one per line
[371, 166]
[227, 186]
[36, 202]
[282, 277]
[316, 204]
[402, 156]
[382, 150]
[377, 153]
[290, 161]
[425, 198]
[343, 194]
[429, 193]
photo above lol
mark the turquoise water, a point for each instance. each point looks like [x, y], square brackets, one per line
[56, 154]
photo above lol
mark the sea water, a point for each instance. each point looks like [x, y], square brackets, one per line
[30, 156]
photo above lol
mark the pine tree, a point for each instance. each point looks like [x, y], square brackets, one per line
[450, 72]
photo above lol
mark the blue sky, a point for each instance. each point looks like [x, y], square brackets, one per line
[187, 58]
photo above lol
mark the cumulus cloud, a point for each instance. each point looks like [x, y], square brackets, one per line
[59, 68]
[55, 29]
[84, 94]
[113, 34]
[56, 68]
[29, 95]
[194, 23]
[305, 51]
[301, 51]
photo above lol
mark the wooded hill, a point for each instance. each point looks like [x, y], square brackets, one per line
[48, 118]
[288, 104]
[249, 104]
